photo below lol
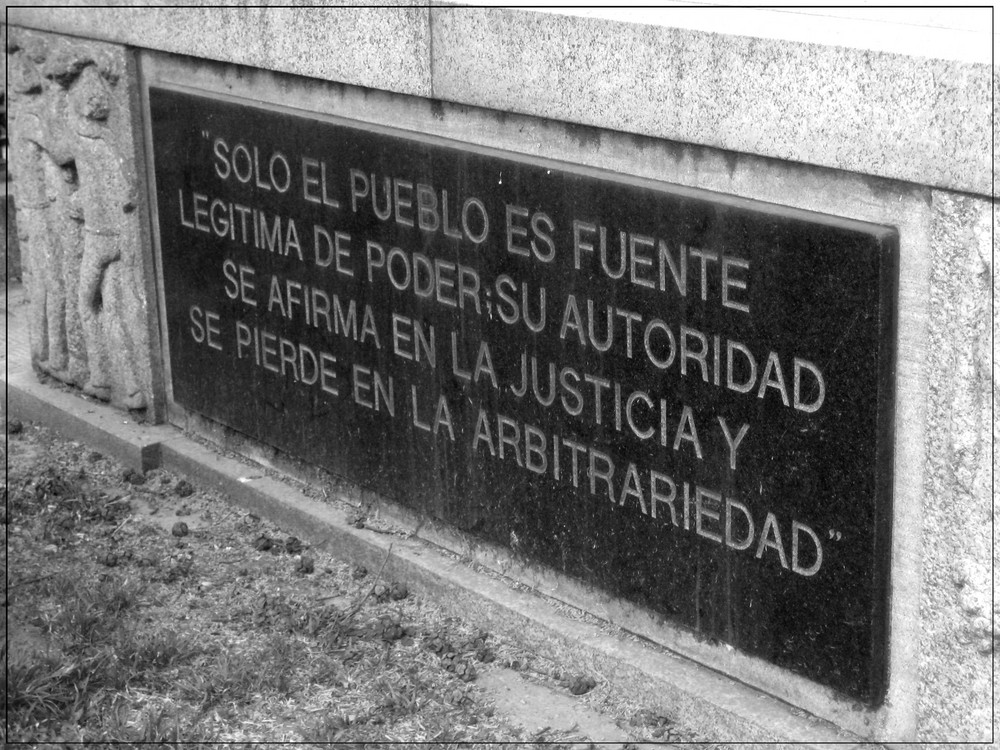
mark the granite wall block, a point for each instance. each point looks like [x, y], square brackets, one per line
[958, 614]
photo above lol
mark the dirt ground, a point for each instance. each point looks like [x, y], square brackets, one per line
[141, 608]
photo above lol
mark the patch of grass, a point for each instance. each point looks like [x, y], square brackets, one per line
[211, 638]
[88, 615]
[118, 596]
[37, 688]
[43, 693]
[100, 652]
[113, 719]
[237, 676]
[153, 650]
[80, 623]
[159, 726]
[323, 669]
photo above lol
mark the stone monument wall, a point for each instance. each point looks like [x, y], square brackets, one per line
[841, 189]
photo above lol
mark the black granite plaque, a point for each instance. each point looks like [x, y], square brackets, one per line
[680, 397]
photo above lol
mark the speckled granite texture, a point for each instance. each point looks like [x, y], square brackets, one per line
[921, 120]
[378, 47]
[917, 119]
[957, 611]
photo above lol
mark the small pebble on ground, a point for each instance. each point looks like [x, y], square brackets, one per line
[133, 477]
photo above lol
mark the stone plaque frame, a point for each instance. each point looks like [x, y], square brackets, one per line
[869, 688]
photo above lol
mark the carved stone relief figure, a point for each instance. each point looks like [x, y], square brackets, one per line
[75, 192]
[30, 129]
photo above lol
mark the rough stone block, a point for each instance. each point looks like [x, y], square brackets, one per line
[958, 614]
[77, 192]
[914, 118]
[384, 48]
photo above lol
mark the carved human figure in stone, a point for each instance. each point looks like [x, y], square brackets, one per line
[29, 135]
[69, 228]
[109, 291]
[67, 362]
[45, 185]
[76, 217]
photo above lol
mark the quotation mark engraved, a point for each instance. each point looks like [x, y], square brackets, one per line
[834, 535]
[205, 134]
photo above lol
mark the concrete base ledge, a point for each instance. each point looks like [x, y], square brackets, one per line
[105, 429]
[717, 707]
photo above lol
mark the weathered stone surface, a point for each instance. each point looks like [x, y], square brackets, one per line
[73, 167]
[956, 608]
[357, 43]
[905, 117]
[922, 117]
